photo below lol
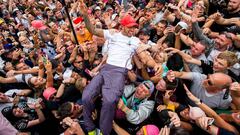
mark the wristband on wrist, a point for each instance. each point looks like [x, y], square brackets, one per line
[198, 102]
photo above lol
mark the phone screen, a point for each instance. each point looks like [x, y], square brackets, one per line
[177, 28]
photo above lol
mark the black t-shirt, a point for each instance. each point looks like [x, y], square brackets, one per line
[70, 94]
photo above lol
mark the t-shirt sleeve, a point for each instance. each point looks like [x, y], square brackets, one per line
[107, 34]
[19, 78]
[195, 76]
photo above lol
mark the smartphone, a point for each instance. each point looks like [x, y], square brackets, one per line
[177, 28]
[44, 60]
[210, 121]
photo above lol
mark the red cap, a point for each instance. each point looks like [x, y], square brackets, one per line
[128, 21]
[78, 20]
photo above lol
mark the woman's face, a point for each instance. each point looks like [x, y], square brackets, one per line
[161, 85]
[17, 112]
[185, 114]
[37, 81]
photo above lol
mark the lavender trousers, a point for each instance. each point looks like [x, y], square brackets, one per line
[109, 82]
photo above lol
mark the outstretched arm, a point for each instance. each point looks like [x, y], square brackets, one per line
[89, 25]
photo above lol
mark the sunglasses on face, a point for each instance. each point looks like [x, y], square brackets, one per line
[209, 83]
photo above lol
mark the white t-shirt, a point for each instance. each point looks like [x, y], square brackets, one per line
[21, 79]
[120, 48]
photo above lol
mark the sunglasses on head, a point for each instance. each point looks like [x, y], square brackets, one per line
[146, 85]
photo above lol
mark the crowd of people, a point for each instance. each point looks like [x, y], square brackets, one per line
[144, 67]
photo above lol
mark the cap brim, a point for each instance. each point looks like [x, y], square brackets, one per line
[43, 28]
[131, 25]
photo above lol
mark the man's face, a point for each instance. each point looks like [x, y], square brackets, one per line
[219, 65]
[129, 31]
[76, 110]
[215, 82]
[160, 28]
[233, 5]
[159, 6]
[197, 49]
[149, 15]
[142, 91]
[58, 15]
[144, 38]
[78, 63]
[222, 42]
[70, 46]
[22, 66]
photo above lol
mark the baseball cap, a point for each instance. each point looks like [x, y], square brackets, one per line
[149, 85]
[97, 8]
[108, 8]
[38, 24]
[150, 130]
[128, 21]
[183, 25]
[48, 92]
[145, 31]
[196, 112]
[78, 20]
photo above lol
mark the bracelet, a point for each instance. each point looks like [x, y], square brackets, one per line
[198, 102]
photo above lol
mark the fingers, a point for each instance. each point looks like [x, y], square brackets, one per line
[164, 131]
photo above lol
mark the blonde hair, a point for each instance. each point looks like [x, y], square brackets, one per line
[230, 57]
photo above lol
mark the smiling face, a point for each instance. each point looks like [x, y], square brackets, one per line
[185, 114]
[219, 65]
[37, 81]
[142, 92]
[197, 49]
[236, 117]
[129, 31]
[222, 42]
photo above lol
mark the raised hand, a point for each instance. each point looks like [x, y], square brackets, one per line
[83, 7]
[190, 95]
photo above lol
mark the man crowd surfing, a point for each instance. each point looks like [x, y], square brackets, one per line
[144, 67]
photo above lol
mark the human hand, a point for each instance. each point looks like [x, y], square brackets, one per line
[10, 73]
[171, 50]
[48, 65]
[164, 131]
[174, 119]
[215, 16]
[235, 87]
[121, 104]
[69, 81]
[94, 114]
[161, 107]
[158, 69]
[74, 127]
[190, 95]
[83, 8]
[206, 31]
[204, 122]
[168, 30]
[37, 106]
